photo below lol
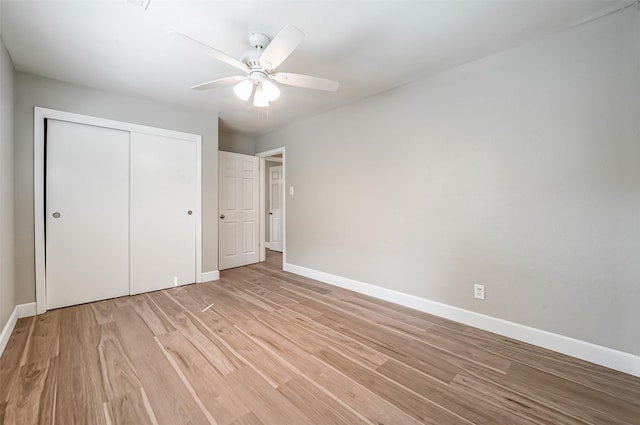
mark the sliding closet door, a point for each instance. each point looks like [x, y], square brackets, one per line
[87, 213]
[163, 212]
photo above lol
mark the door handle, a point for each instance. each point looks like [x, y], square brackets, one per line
[270, 213]
[222, 216]
[189, 212]
[56, 215]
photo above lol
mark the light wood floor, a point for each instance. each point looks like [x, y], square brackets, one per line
[262, 346]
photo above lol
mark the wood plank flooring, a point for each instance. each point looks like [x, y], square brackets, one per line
[265, 347]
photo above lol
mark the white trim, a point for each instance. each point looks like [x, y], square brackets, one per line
[26, 310]
[263, 210]
[271, 152]
[604, 356]
[265, 155]
[7, 329]
[209, 276]
[39, 115]
[267, 245]
[118, 125]
[198, 210]
[273, 159]
[19, 311]
[284, 208]
[38, 207]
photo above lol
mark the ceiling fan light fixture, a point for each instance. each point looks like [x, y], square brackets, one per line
[243, 89]
[259, 99]
[260, 66]
[270, 90]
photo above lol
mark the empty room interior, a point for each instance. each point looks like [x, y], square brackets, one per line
[319, 212]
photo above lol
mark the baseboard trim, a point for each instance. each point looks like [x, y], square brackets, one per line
[267, 245]
[7, 329]
[604, 356]
[209, 276]
[19, 311]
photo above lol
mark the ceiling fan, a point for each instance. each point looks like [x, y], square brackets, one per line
[260, 67]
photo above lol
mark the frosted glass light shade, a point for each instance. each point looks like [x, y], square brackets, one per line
[243, 89]
[259, 99]
[270, 90]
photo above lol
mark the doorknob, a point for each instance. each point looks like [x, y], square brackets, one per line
[189, 212]
[221, 215]
[56, 215]
[270, 213]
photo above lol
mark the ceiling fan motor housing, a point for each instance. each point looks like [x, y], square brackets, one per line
[252, 57]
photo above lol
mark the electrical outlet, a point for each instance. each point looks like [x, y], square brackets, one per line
[478, 291]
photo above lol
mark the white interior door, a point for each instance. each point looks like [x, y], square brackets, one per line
[87, 213]
[239, 209]
[275, 208]
[163, 212]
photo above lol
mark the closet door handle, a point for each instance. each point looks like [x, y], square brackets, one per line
[222, 216]
[189, 212]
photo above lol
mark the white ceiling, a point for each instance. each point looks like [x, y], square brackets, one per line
[368, 46]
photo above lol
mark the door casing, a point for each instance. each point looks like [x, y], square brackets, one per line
[275, 214]
[263, 207]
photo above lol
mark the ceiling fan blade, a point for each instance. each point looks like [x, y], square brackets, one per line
[281, 47]
[305, 81]
[216, 54]
[228, 81]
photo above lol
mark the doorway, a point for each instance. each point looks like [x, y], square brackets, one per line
[273, 202]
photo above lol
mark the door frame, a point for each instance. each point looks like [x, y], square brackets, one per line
[39, 116]
[268, 188]
[263, 207]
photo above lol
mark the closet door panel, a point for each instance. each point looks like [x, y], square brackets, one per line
[87, 213]
[163, 212]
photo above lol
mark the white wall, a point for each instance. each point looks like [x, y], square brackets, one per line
[520, 171]
[7, 285]
[34, 91]
[237, 143]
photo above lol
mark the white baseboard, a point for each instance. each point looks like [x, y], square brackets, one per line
[26, 310]
[267, 245]
[7, 329]
[209, 276]
[20, 311]
[604, 356]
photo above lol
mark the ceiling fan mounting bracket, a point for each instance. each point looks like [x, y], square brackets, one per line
[259, 40]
